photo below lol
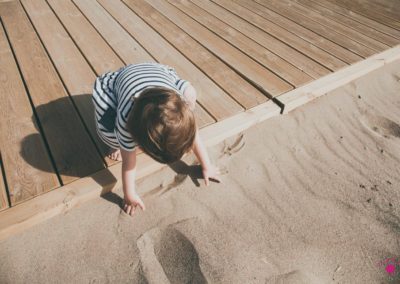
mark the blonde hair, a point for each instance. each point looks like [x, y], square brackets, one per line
[162, 124]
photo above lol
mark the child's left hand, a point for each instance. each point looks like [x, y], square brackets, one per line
[211, 172]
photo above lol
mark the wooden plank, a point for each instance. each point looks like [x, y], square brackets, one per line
[95, 49]
[337, 26]
[324, 31]
[259, 53]
[28, 168]
[3, 193]
[74, 153]
[76, 73]
[210, 96]
[380, 8]
[19, 218]
[63, 52]
[302, 95]
[349, 22]
[249, 68]
[233, 16]
[242, 91]
[293, 27]
[123, 44]
[389, 6]
[203, 119]
[359, 18]
[368, 12]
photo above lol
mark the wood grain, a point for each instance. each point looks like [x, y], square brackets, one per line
[219, 104]
[284, 43]
[128, 49]
[259, 53]
[264, 16]
[74, 152]
[349, 22]
[337, 26]
[359, 18]
[368, 12]
[26, 162]
[242, 91]
[94, 48]
[243, 64]
[326, 32]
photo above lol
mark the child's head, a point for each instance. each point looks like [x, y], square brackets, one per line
[162, 124]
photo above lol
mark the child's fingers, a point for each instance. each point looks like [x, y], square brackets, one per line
[132, 211]
[141, 205]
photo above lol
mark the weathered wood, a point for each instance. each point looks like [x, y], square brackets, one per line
[315, 26]
[219, 104]
[19, 218]
[244, 93]
[264, 16]
[390, 7]
[74, 153]
[259, 53]
[359, 18]
[251, 69]
[368, 12]
[349, 22]
[3, 193]
[123, 44]
[337, 26]
[27, 164]
[305, 94]
[77, 75]
[95, 49]
[303, 62]
[71, 65]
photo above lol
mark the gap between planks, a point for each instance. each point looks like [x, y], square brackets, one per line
[41, 208]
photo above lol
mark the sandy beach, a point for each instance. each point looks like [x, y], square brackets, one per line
[308, 197]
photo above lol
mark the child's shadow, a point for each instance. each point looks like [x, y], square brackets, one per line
[65, 144]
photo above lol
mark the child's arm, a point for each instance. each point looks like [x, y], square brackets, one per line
[131, 198]
[209, 170]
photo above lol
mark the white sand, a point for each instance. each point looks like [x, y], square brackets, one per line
[309, 197]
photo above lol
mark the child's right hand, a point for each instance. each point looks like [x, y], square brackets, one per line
[131, 201]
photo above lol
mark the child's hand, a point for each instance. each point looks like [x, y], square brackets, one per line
[131, 201]
[211, 172]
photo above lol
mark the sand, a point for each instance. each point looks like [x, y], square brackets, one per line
[308, 197]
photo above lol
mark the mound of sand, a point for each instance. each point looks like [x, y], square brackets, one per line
[309, 197]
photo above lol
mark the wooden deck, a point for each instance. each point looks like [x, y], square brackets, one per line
[242, 56]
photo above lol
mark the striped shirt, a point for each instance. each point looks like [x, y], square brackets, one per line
[112, 93]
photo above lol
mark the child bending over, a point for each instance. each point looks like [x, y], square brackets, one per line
[147, 106]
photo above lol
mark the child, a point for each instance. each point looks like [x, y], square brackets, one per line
[148, 106]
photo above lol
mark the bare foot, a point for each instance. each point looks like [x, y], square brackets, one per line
[115, 155]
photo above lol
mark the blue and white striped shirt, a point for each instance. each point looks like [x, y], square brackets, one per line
[111, 97]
